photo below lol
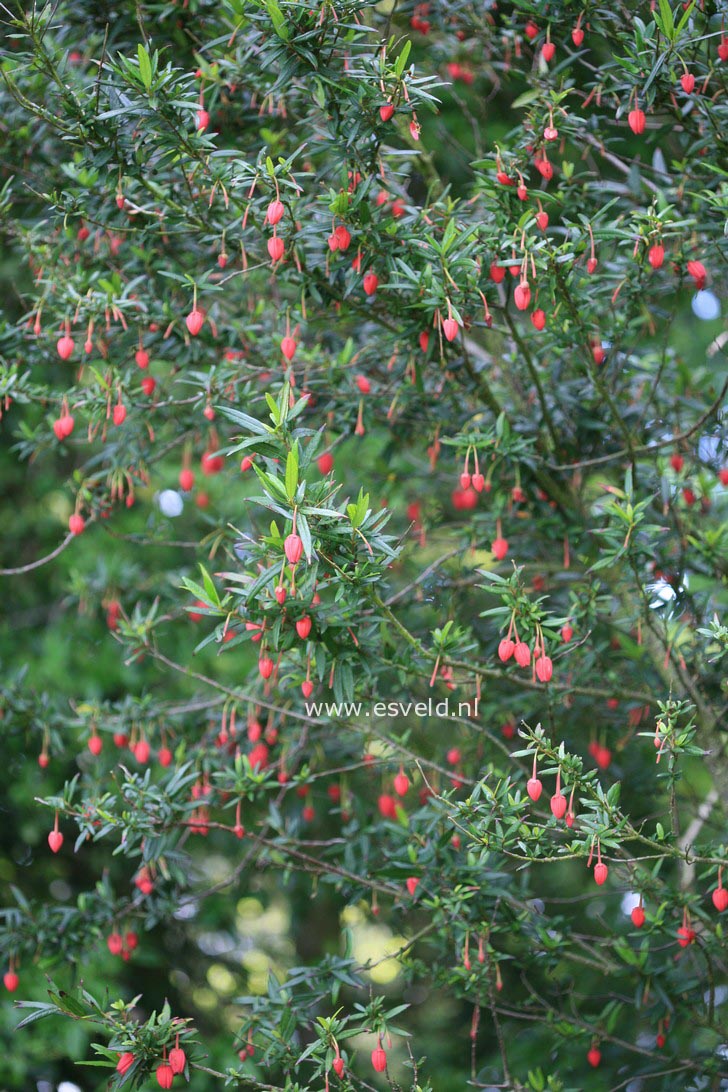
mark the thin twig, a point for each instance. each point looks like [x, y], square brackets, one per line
[41, 560]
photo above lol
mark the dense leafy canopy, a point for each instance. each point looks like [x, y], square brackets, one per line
[365, 539]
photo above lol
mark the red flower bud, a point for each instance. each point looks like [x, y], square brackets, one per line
[177, 1060]
[685, 936]
[637, 119]
[276, 248]
[497, 272]
[288, 347]
[499, 547]
[656, 255]
[544, 668]
[720, 899]
[450, 329]
[55, 840]
[401, 783]
[522, 295]
[534, 788]
[293, 547]
[698, 272]
[65, 346]
[523, 654]
[387, 806]
[638, 917]
[165, 1075]
[114, 943]
[379, 1059]
[126, 1061]
[594, 1057]
[194, 322]
[142, 751]
[275, 212]
[558, 805]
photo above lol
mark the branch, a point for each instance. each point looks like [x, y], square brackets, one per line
[646, 449]
[41, 561]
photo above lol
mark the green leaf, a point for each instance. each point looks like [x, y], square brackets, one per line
[273, 407]
[305, 532]
[145, 66]
[449, 236]
[614, 794]
[20, 898]
[197, 590]
[357, 512]
[250, 423]
[69, 1004]
[278, 19]
[292, 472]
[402, 59]
[684, 19]
[668, 22]
[536, 1080]
[319, 94]
[525, 99]
[343, 682]
[41, 1011]
[210, 589]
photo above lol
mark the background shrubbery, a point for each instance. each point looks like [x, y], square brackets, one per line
[484, 385]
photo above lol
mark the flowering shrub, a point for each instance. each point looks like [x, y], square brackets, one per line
[363, 383]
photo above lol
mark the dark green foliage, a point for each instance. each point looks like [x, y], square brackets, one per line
[282, 900]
